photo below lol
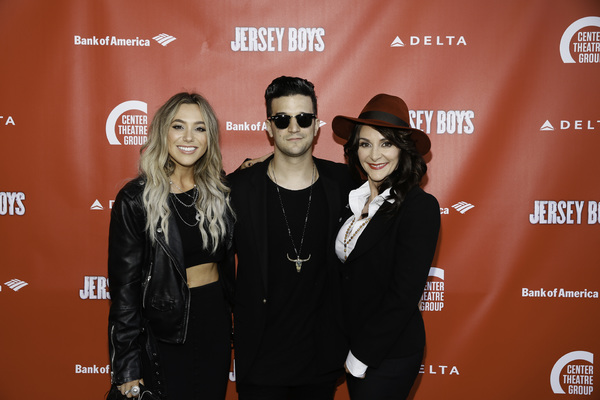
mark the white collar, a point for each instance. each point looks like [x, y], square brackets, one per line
[359, 197]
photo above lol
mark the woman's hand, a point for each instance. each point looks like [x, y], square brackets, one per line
[250, 162]
[126, 388]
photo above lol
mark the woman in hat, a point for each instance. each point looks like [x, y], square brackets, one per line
[387, 245]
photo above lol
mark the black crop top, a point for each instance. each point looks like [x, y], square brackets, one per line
[191, 240]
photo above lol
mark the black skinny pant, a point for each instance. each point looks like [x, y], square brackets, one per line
[199, 368]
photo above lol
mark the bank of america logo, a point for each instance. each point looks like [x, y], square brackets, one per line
[164, 39]
[16, 284]
[462, 207]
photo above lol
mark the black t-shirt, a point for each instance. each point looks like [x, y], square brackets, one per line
[287, 352]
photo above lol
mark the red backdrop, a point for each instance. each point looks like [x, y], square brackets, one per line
[507, 91]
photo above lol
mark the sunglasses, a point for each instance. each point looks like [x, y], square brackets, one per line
[282, 121]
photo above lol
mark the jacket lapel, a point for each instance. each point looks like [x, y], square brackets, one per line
[374, 233]
[332, 195]
[257, 209]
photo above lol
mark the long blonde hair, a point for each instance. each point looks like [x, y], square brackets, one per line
[156, 166]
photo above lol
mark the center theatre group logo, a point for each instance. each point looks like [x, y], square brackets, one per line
[580, 43]
[271, 39]
[433, 294]
[127, 124]
[569, 212]
[575, 372]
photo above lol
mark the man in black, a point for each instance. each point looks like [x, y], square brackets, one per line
[288, 338]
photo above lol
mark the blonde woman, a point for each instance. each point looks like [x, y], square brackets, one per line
[170, 263]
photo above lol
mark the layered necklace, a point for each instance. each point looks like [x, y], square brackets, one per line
[298, 261]
[348, 238]
[194, 198]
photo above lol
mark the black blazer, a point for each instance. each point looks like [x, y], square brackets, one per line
[248, 194]
[384, 277]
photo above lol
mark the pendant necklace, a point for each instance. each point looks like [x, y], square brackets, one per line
[298, 261]
[348, 238]
[193, 203]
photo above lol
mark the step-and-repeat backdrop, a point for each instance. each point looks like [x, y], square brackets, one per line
[508, 91]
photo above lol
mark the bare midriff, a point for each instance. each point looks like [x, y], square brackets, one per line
[202, 274]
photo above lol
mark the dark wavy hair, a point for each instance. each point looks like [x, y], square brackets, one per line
[289, 86]
[408, 173]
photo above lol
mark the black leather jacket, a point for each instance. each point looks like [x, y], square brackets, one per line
[147, 283]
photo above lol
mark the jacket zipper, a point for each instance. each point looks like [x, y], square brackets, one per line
[146, 284]
[187, 313]
[112, 356]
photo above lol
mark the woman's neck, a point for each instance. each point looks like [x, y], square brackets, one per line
[182, 181]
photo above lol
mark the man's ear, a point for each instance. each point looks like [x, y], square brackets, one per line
[269, 129]
[317, 126]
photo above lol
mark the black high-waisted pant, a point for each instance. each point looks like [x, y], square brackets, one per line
[199, 368]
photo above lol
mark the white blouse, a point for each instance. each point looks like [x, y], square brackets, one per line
[354, 226]
[346, 241]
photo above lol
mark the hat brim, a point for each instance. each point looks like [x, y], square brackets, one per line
[343, 126]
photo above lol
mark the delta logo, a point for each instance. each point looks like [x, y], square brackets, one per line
[430, 41]
[98, 206]
[580, 43]
[577, 125]
[113, 41]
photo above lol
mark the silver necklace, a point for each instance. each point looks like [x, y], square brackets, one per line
[194, 197]
[197, 216]
[298, 261]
